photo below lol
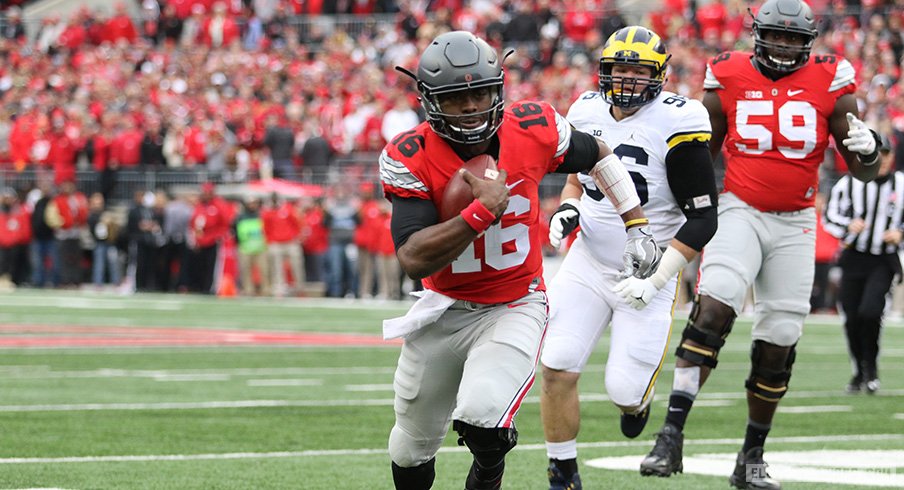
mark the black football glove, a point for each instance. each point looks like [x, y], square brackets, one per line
[564, 221]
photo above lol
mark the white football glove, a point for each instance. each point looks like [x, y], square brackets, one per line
[636, 292]
[860, 139]
[564, 221]
[641, 255]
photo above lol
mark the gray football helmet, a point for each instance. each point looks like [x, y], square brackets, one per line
[458, 61]
[783, 15]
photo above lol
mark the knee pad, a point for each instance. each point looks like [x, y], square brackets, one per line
[770, 370]
[707, 328]
[414, 478]
[489, 446]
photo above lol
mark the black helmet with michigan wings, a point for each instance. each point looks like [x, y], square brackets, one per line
[633, 45]
[790, 16]
[454, 62]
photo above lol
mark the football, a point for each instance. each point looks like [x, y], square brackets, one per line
[457, 194]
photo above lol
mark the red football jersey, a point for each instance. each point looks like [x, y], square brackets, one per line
[778, 130]
[505, 263]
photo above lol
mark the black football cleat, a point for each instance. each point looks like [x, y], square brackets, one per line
[558, 481]
[750, 472]
[632, 424]
[665, 458]
[872, 386]
[855, 385]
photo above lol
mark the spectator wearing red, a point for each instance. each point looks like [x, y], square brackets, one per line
[21, 139]
[209, 225]
[71, 206]
[388, 270]
[64, 139]
[120, 26]
[711, 18]
[219, 30]
[125, 149]
[315, 240]
[15, 235]
[365, 238]
[824, 295]
[282, 230]
[194, 146]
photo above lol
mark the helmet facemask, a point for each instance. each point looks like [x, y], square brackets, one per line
[459, 128]
[791, 17]
[781, 57]
[633, 46]
[629, 92]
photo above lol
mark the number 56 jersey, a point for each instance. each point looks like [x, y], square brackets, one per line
[642, 140]
[777, 130]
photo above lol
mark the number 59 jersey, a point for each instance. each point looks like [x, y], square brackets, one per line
[642, 140]
[777, 130]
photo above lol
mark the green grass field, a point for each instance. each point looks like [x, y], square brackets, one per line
[124, 410]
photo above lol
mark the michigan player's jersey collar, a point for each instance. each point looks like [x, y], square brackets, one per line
[639, 113]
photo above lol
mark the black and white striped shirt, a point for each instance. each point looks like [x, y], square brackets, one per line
[880, 204]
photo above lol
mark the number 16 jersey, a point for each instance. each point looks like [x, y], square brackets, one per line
[777, 130]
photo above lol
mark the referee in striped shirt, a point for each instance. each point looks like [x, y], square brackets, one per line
[867, 217]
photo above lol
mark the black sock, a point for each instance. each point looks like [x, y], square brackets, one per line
[490, 473]
[416, 478]
[679, 407]
[756, 435]
[568, 467]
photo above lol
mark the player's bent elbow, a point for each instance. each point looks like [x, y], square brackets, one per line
[699, 228]
[412, 267]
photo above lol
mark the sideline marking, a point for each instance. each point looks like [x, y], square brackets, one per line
[21, 336]
[816, 409]
[851, 467]
[333, 403]
[445, 449]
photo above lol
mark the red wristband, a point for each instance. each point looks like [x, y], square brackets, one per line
[477, 216]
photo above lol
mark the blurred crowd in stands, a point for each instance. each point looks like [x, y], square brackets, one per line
[241, 89]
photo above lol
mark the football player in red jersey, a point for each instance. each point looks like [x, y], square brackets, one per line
[472, 339]
[774, 109]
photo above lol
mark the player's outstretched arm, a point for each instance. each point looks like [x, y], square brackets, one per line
[858, 144]
[692, 181]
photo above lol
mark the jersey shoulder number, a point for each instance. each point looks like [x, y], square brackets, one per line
[400, 164]
[540, 119]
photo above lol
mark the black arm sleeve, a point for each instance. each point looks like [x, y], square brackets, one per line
[689, 168]
[410, 215]
[582, 154]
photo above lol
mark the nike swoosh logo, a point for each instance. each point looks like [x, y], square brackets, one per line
[512, 186]
[478, 218]
[673, 409]
[515, 305]
[792, 93]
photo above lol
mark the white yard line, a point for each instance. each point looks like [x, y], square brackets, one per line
[711, 400]
[284, 382]
[371, 387]
[816, 409]
[355, 452]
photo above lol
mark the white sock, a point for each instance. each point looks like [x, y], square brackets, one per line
[562, 450]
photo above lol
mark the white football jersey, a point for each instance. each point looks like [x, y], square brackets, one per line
[642, 141]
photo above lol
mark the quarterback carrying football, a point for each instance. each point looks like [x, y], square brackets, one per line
[662, 138]
[472, 340]
[774, 109]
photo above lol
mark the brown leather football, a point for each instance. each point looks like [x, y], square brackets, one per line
[457, 194]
